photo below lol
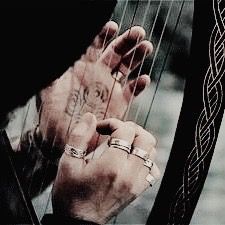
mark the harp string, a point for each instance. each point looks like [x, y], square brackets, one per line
[23, 126]
[140, 105]
[24, 122]
[18, 181]
[139, 72]
[66, 137]
[75, 105]
[23, 131]
[116, 73]
[79, 89]
[164, 61]
[145, 53]
[149, 38]
[142, 63]
[74, 109]
[28, 153]
[163, 65]
[104, 45]
[44, 137]
[114, 82]
[83, 76]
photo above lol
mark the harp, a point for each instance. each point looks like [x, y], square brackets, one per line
[185, 173]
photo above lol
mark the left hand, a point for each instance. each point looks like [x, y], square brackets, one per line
[87, 86]
[97, 189]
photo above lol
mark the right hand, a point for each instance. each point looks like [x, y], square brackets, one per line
[97, 189]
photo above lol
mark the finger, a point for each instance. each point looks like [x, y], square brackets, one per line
[142, 182]
[147, 142]
[135, 87]
[108, 31]
[82, 134]
[116, 129]
[121, 46]
[106, 34]
[143, 140]
[134, 57]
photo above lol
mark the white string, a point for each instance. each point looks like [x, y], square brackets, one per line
[140, 105]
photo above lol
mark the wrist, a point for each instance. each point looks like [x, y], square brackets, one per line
[82, 214]
[64, 220]
[77, 210]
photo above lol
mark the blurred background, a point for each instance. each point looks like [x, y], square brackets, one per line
[168, 25]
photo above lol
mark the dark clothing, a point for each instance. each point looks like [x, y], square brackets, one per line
[37, 45]
[53, 219]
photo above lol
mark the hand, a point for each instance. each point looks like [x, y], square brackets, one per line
[97, 189]
[87, 86]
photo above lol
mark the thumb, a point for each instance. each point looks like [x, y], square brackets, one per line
[83, 132]
[79, 138]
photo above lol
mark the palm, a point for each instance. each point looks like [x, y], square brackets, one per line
[89, 85]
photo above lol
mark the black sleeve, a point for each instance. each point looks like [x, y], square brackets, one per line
[51, 219]
[38, 44]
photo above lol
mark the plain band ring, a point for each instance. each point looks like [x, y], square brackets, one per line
[120, 144]
[140, 153]
[149, 163]
[118, 76]
[74, 152]
[151, 180]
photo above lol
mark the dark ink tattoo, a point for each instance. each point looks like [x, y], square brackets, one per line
[90, 99]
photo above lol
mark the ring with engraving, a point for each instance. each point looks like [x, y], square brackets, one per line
[118, 76]
[151, 180]
[119, 144]
[149, 163]
[74, 152]
[140, 153]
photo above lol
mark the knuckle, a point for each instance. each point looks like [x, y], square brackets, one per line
[158, 174]
[148, 136]
[77, 135]
[153, 153]
[115, 122]
[130, 131]
[131, 123]
[125, 186]
[152, 140]
[108, 176]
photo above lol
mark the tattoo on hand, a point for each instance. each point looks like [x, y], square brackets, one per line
[89, 99]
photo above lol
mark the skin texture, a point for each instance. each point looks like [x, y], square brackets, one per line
[83, 104]
[88, 86]
[97, 189]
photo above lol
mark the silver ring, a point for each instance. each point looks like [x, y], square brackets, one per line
[149, 163]
[120, 144]
[75, 152]
[140, 153]
[118, 76]
[151, 180]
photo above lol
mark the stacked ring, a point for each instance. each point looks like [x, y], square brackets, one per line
[118, 76]
[150, 179]
[74, 152]
[119, 144]
[143, 155]
[140, 153]
[148, 163]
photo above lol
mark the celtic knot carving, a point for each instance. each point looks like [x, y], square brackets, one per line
[205, 137]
